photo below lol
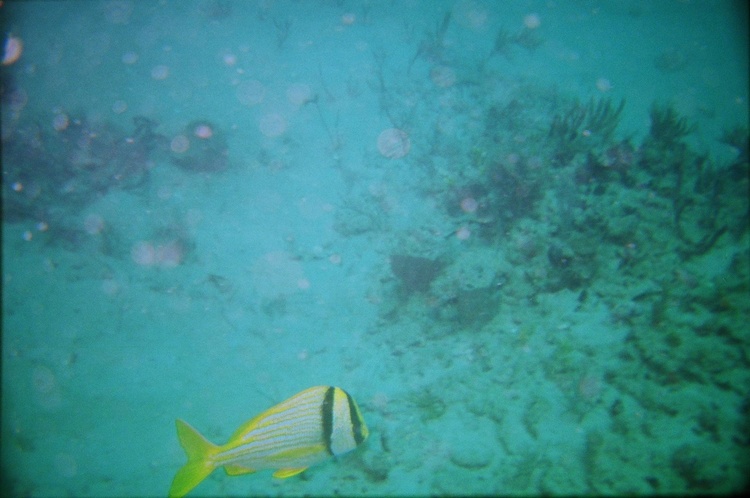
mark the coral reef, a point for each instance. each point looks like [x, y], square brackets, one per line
[415, 273]
[207, 151]
[47, 170]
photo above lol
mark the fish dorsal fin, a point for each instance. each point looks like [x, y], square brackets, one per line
[284, 473]
[254, 422]
[237, 470]
[245, 428]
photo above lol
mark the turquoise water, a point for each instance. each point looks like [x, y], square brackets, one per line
[515, 232]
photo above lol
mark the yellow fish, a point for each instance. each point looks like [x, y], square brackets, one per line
[309, 427]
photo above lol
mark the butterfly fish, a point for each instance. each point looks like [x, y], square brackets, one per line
[311, 426]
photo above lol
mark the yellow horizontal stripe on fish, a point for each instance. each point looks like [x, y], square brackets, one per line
[311, 426]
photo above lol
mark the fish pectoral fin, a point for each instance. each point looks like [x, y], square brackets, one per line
[237, 470]
[284, 473]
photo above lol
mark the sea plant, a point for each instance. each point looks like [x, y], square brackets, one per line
[283, 28]
[526, 38]
[433, 44]
[581, 127]
[738, 138]
[667, 127]
[663, 153]
[503, 41]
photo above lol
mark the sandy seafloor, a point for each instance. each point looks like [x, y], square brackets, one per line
[518, 307]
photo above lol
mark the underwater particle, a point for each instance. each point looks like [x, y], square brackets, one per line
[512, 159]
[303, 284]
[303, 355]
[276, 273]
[143, 253]
[443, 76]
[160, 72]
[17, 186]
[463, 233]
[208, 153]
[671, 60]
[12, 50]
[590, 387]
[469, 14]
[203, 131]
[60, 122]
[216, 10]
[168, 255]
[348, 19]
[393, 143]
[272, 125]
[603, 85]
[179, 144]
[335, 259]
[469, 205]
[42, 226]
[532, 21]
[119, 106]
[66, 465]
[118, 11]
[16, 99]
[535, 162]
[229, 59]
[299, 94]
[27, 235]
[276, 165]
[110, 286]
[93, 224]
[46, 388]
[477, 18]
[164, 192]
[43, 379]
[129, 58]
[380, 401]
[251, 92]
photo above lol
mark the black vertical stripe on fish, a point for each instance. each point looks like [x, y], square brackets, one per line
[356, 421]
[326, 412]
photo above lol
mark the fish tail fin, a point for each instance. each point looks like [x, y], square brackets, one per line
[199, 451]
